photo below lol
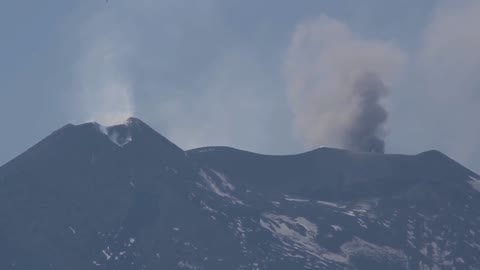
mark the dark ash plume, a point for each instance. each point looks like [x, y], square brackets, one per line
[366, 132]
[336, 85]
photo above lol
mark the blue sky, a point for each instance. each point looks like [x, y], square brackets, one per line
[217, 72]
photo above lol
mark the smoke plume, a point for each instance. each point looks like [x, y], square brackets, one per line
[366, 130]
[337, 83]
[101, 77]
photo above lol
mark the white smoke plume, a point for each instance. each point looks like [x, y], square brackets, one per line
[337, 83]
[101, 77]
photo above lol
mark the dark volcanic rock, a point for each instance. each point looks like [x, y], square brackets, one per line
[124, 197]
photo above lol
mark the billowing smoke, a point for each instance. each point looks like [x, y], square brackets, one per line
[337, 83]
[366, 131]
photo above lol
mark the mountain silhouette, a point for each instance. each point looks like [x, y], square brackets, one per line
[125, 197]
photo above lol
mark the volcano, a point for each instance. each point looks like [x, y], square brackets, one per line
[125, 197]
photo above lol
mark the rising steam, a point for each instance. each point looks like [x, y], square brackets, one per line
[102, 79]
[336, 84]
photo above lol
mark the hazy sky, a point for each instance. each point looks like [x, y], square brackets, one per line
[272, 76]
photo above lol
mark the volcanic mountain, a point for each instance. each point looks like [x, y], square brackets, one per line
[125, 197]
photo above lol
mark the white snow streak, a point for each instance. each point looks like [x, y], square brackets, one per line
[475, 183]
[331, 204]
[216, 189]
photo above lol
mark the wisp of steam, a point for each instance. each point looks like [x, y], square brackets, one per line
[337, 83]
[102, 79]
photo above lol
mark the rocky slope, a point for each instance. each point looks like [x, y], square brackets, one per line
[124, 197]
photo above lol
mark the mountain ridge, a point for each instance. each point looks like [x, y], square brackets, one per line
[140, 125]
[126, 198]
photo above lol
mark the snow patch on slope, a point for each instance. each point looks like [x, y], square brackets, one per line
[359, 247]
[224, 180]
[286, 229]
[222, 189]
[475, 183]
[292, 199]
[331, 204]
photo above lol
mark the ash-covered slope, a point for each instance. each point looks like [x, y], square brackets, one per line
[124, 197]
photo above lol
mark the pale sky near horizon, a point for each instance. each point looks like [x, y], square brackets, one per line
[219, 72]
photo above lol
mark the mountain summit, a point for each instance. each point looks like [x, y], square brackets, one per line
[125, 197]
